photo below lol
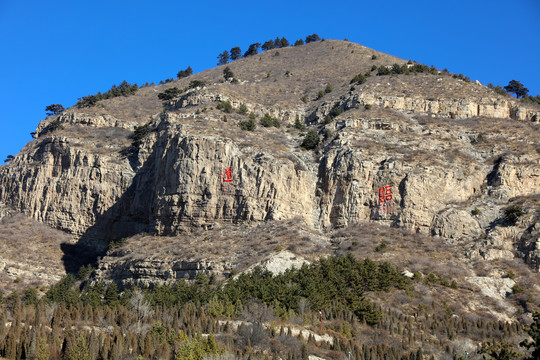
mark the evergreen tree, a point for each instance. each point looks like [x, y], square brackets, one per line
[268, 45]
[185, 73]
[169, 94]
[248, 125]
[311, 140]
[93, 345]
[515, 87]
[79, 351]
[252, 50]
[43, 352]
[228, 74]
[383, 70]
[236, 53]
[299, 42]
[54, 109]
[30, 296]
[328, 89]
[85, 272]
[196, 83]
[500, 351]
[223, 58]
[211, 345]
[312, 38]
[111, 295]
[534, 333]
[305, 355]
[283, 43]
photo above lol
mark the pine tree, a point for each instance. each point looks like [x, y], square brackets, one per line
[43, 352]
[54, 109]
[268, 45]
[93, 345]
[223, 58]
[305, 355]
[311, 140]
[148, 347]
[211, 345]
[79, 350]
[228, 74]
[111, 295]
[185, 73]
[534, 333]
[236, 53]
[252, 50]
[312, 38]
[515, 87]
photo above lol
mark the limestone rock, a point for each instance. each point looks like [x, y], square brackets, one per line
[492, 287]
[279, 262]
[515, 176]
[444, 107]
[72, 117]
[146, 273]
[204, 97]
[455, 224]
[408, 274]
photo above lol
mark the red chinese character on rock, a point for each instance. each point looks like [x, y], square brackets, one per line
[385, 193]
[226, 182]
[386, 204]
[227, 177]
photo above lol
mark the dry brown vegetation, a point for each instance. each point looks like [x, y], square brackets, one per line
[30, 253]
[261, 77]
[426, 86]
[502, 136]
[241, 246]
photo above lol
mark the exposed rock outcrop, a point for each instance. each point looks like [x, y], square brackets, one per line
[145, 273]
[453, 108]
[77, 118]
[64, 184]
[207, 98]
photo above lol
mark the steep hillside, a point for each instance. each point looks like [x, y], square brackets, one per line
[436, 174]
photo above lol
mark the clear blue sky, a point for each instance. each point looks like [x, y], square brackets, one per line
[56, 51]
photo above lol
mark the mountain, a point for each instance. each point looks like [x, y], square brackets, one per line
[417, 166]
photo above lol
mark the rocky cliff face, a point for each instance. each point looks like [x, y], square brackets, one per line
[64, 181]
[183, 183]
[455, 108]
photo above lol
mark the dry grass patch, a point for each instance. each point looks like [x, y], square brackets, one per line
[427, 86]
[264, 78]
[30, 253]
[241, 245]
[488, 134]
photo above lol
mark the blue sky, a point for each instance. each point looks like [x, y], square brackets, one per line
[57, 51]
